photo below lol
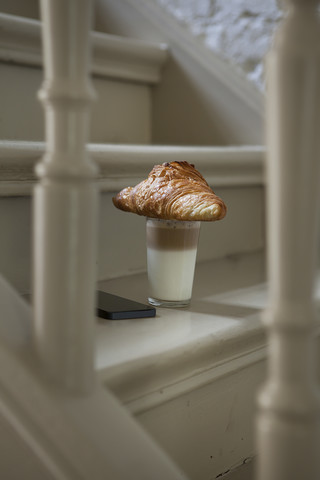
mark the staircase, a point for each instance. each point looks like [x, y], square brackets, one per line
[127, 75]
[142, 117]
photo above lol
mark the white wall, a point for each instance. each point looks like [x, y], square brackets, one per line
[238, 31]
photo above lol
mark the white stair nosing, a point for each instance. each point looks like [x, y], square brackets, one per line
[112, 56]
[122, 165]
[145, 400]
[129, 59]
[126, 165]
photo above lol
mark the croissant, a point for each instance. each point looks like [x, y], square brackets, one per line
[172, 191]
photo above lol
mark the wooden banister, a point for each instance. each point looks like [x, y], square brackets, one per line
[65, 201]
[288, 427]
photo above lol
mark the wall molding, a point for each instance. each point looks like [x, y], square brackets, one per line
[112, 56]
[124, 165]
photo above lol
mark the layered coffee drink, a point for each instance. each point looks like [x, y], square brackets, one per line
[175, 198]
[171, 257]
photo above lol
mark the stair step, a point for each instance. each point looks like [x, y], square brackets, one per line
[123, 71]
[235, 173]
[187, 369]
[240, 293]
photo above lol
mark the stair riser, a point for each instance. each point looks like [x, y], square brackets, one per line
[122, 235]
[121, 113]
[217, 425]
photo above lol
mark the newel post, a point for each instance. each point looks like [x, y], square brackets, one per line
[65, 201]
[288, 424]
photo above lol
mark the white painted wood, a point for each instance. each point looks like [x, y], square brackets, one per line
[112, 56]
[289, 418]
[16, 242]
[37, 439]
[123, 72]
[236, 173]
[127, 449]
[230, 166]
[123, 165]
[242, 472]
[28, 9]
[190, 376]
[201, 99]
[65, 202]
[209, 431]
[49, 434]
[202, 418]
[218, 335]
[240, 232]
[124, 107]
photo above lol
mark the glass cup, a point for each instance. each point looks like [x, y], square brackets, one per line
[171, 258]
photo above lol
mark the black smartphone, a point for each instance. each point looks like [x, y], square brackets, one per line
[113, 307]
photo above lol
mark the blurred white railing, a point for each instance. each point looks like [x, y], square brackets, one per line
[289, 417]
[65, 201]
[64, 288]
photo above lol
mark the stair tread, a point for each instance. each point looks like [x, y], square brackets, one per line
[222, 324]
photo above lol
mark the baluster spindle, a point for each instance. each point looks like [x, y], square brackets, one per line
[65, 201]
[288, 420]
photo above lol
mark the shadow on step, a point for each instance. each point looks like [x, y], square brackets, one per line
[222, 309]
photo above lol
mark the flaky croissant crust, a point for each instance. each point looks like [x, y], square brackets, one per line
[172, 191]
